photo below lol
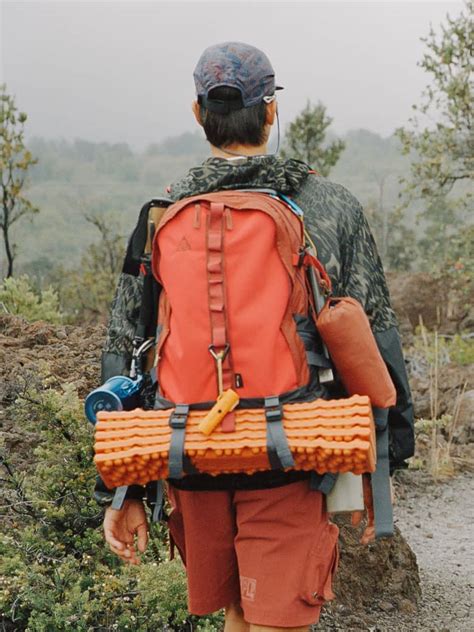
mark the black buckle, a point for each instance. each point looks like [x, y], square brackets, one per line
[179, 417]
[301, 255]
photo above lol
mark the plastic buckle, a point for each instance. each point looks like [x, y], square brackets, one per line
[301, 257]
[273, 409]
[179, 416]
[273, 414]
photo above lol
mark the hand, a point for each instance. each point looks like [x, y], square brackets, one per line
[368, 535]
[120, 527]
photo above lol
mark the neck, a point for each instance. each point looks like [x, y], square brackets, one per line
[239, 150]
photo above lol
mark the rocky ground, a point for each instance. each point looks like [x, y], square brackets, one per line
[436, 519]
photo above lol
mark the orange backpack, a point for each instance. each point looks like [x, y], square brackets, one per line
[228, 264]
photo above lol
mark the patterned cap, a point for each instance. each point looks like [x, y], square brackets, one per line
[235, 65]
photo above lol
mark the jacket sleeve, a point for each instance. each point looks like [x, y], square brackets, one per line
[363, 278]
[117, 355]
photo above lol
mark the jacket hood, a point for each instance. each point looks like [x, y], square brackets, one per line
[217, 174]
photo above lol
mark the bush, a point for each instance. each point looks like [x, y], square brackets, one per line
[56, 573]
[18, 297]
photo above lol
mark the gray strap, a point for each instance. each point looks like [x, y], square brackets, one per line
[177, 423]
[159, 498]
[279, 453]
[383, 510]
[322, 482]
[119, 497]
[317, 359]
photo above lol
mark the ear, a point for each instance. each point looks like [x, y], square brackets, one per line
[197, 112]
[271, 112]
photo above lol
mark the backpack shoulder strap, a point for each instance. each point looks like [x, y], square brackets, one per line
[138, 241]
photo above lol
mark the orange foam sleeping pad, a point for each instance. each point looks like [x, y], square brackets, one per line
[131, 447]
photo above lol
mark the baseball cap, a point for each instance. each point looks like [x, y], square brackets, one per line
[234, 65]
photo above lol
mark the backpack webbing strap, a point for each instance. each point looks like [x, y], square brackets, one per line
[278, 450]
[158, 502]
[119, 497]
[317, 359]
[322, 482]
[217, 297]
[177, 422]
[381, 492]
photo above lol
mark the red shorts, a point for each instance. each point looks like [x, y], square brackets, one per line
[273, 551]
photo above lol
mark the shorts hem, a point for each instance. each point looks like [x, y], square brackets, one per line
[201, 610]
[259, 617]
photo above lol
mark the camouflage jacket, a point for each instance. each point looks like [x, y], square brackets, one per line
[345, 245]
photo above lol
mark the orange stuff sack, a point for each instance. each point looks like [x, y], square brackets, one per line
[346, 331]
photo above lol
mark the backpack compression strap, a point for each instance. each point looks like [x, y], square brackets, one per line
[279, 453]
[381, 492]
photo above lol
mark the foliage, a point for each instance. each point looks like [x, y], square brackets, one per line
[86, 292]
[15, 161]
[396, 242]
[56, 572]
[305, 139]
[442, 152]
[17, 296]
[457, 348]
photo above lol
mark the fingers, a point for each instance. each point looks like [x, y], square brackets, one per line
[356, 518]
[142, 537]
[128, 555]
[112, 540]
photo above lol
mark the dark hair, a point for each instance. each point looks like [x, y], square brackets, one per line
[245, 126]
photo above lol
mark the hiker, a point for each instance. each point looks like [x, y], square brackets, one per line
[261, 545]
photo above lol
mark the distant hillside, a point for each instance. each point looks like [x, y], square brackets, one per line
[75, 178]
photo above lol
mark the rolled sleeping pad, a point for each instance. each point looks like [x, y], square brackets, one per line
[345, 329]
[133, 447]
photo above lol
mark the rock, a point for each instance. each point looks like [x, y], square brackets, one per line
[386, 606]
[407, 607]
[464, 423]
[366, 575]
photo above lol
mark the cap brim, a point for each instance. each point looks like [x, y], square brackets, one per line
[279, 88]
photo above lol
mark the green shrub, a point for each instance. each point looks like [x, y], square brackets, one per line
[17, 296]
[56, 572]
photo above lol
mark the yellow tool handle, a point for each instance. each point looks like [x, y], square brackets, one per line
[225, 404]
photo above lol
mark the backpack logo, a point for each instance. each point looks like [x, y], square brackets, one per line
[183, 245]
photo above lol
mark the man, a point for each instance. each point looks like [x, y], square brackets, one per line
[261, 546]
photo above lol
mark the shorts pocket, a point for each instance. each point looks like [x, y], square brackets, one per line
[322, 562]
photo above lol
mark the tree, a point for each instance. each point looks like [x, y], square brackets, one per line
[442, 152]
[395, 241]
[15, 160]
[86, 292]
[305, 139]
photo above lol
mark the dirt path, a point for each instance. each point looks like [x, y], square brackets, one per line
[438, 522]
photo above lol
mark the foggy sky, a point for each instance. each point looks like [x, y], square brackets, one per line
[122, 71]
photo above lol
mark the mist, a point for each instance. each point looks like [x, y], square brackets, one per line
[122, 71]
